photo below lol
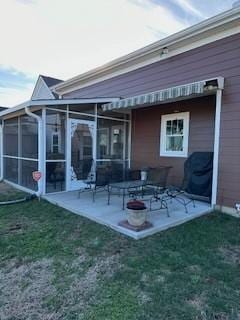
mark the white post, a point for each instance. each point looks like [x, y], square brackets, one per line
[130, 139]
[95, 140]
[216, 146]
[67, 150]
[44, 151]
[40, 148]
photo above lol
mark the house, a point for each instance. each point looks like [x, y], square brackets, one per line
[128, 110]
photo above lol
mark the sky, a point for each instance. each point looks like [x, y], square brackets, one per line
[63, 38]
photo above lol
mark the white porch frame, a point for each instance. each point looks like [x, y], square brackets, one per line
[42, 142]
[69, 147]
[216, 146]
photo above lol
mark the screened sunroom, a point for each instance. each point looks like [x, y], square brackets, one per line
[66, 142]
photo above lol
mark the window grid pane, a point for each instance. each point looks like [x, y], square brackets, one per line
[174, 134]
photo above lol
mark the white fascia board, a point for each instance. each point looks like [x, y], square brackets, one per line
[215, 28]
[34, 103]
[15, 109]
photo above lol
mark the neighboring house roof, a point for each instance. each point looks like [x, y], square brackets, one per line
[207, 31]
[3, 108]
[50, 81]
[42, 89]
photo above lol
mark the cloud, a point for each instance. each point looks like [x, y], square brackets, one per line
[10, 77]
[65, 38]
[15, 86]
[188, 6]
[12, 96]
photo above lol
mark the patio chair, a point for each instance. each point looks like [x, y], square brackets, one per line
[154, 188]
[98, 182]
[197, 181]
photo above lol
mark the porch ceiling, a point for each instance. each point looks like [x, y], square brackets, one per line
[185, 91]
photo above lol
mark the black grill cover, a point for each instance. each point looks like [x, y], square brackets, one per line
[198, 169]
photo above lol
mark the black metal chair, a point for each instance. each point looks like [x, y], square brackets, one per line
[154, 188]
[97, 181]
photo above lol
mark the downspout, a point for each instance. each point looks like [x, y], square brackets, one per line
[40, 148]
[216, 147]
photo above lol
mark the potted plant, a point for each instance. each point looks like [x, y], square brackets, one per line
[136, 213]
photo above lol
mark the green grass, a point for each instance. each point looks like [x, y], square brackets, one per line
[57, 265]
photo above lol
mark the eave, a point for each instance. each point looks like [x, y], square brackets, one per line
[207, 31]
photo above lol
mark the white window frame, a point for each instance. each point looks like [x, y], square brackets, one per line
[174, 116]
[55, 133]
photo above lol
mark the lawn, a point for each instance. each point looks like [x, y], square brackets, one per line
[57, 265]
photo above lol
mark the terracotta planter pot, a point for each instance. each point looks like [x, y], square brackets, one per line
[136, 218]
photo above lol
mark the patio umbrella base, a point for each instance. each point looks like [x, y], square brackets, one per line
[144, 226]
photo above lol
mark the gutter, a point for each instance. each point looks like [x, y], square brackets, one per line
[40, 148]
[204, 26]
[40, 103]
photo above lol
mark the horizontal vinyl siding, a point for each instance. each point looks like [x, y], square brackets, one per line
[146, 134]
[220, 58]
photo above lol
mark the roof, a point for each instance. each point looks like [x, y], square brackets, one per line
[42, 89]
[50, 82]
[55, 102]
[207, 31]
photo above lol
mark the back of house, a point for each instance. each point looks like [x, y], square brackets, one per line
[153, 107]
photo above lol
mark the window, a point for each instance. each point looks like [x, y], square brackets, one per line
[110, 143]
[174, 135]
[55, 142]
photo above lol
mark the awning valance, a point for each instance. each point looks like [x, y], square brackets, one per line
[186, 90]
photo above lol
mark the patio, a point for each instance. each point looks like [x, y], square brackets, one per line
[111, 215]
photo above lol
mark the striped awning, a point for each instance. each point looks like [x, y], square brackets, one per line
[191, 89]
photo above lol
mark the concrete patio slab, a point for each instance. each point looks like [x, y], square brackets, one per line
[110, 215]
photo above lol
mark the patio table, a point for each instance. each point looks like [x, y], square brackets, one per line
[123, 188]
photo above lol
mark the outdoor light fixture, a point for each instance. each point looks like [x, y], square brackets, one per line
[164, 52]
[211, 84]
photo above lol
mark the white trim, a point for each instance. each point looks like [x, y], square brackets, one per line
[19, 136]
[57, 160]
[40, 148]
[88, 114]
[95, 139]
[19, 158]
[44, 149]
[55, 102]
[175, 116]
[227, 210]
[210, 30]
[37, 94]
[58, 134]
[130, 141]
[79, 183]
[67, 151]
[216, 146]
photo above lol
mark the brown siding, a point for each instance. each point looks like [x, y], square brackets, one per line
[146, 126]
[220, 58]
